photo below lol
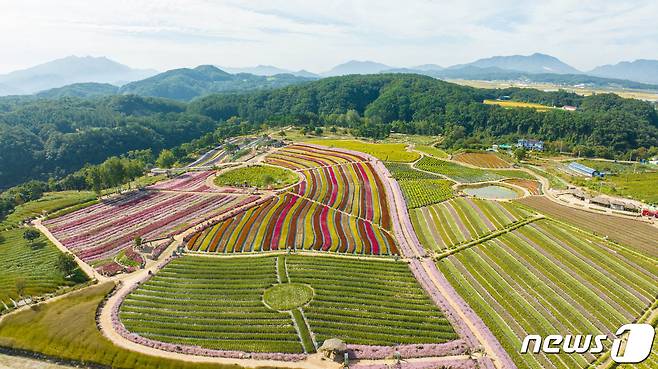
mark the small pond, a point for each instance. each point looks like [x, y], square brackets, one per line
[492, 192]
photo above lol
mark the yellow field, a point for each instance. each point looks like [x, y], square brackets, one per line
[518, 104]
[630, 94]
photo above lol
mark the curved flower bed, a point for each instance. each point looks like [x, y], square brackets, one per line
[451, 363]
[118, 326]
[367, 352]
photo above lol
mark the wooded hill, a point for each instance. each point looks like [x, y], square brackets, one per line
[42, 138]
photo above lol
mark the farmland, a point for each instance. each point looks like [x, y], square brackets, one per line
[481, 159]
[518, 104]
[345, 182]
[67, 329]
[543, 278]
[452, 223]
[533, 187]
[260, 176]
[631, 233]
[102, 230]
[402, 171]
[226, 313]
[33, 264]
[456, 172]
[50, 202]
[432, 151]
[290, 221]
[384, 151]
[423, 192]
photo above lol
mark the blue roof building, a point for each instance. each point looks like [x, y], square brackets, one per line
[584, 170]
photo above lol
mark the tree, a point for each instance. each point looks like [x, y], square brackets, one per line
[268, 180]
[94, 179]
[21, 285]
[31, 235]
[166, 159]
[520, 153]
[137, 241]
[66, 264]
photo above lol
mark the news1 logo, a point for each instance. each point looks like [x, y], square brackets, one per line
[637, 348]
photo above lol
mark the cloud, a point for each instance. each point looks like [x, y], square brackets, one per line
[316, 35]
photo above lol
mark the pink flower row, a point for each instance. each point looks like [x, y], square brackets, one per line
[447, 363]
[451, 348]
[187, 349]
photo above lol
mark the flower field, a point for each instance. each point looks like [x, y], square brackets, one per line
[36, 265]
[451, 223]
[102, 230]
[197, 302]
[628, 232]
[534, 187]
[384, 151]
[456, 172]
[482, 159]
[368, 302]
[291, 221]
[257, 176]
[187, 182]
[424, 192]
[345, 182]
[544, 278]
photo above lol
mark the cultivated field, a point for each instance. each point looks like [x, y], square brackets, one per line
[295, 222]
[260, 176]
[423, 192]
[639, 236]
[50, 202]
[534, 187]
[481, 159]
[362, 302]
[67, 329]
[518, 104]
[102, 230]
[340, 206]
[447, 225]
[456, 172]
[432, 151]
[383, 151]
[545, 278]
[33, 265]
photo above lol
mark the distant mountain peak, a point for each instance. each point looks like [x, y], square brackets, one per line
[640, 70]
[534, 63]
[357, 67]
[70, 70]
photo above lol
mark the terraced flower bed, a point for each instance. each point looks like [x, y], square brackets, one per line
[260, 176]
[371, 303]
[342, 181]
[452, 223]
[198, 301]
[482, 159]
[456, 172]
[102, 230]
[384, 151]
[545, 278]
[188, 182]
[291, 221]
[533, 187]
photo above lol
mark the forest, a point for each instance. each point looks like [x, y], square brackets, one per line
[51, 138]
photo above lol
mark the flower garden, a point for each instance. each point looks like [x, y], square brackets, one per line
[196, 304]
[452, 223]
[482, 159]
[100, 231]
[465, 174]
[544, 278]
[340, 206]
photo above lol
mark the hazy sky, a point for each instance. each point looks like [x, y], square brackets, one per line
[316, 35]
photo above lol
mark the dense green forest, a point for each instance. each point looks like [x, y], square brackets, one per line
[416, 104]
[43, 138]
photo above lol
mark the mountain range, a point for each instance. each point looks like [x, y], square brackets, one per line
[70, 70]
[96, 76]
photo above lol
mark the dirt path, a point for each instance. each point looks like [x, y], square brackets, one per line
[17, 362]
[91, 272]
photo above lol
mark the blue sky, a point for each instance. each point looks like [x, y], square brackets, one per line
[315, 35]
